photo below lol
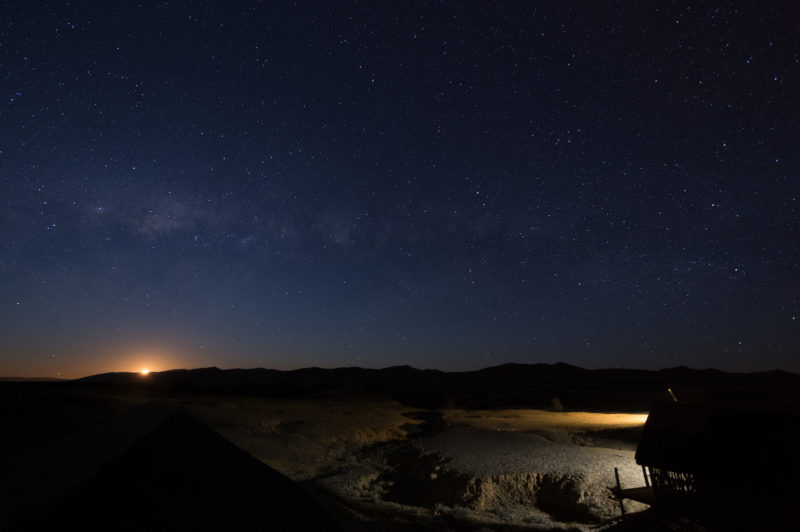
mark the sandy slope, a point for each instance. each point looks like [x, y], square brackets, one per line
[493, 478]
[495, 467]
[305, 438]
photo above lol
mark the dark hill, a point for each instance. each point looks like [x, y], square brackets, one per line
[523, 371]
[159, 469]
[508, 385]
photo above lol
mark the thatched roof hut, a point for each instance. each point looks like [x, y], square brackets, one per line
[735, 469]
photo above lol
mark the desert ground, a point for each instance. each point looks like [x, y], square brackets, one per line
[377, 464]
[385, 464]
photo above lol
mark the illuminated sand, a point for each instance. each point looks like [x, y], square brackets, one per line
[542, 420]
[497, 467]
[523, 476]
[305, 438]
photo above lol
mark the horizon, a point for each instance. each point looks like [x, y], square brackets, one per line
[135, 363]
[150, 372]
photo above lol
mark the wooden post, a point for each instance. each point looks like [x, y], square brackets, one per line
[619, 493]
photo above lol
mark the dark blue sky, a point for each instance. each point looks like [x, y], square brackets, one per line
[442, 184]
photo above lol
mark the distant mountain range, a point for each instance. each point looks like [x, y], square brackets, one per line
[29, 379]
[507, 385]
[506, 372]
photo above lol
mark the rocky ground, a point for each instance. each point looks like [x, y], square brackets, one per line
[379, 464]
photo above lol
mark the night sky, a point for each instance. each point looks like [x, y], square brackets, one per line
[449, 185]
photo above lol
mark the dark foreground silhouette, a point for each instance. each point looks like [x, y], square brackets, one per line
[718, 469]
[177, 474]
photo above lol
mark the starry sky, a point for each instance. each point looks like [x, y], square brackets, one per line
[449, 185]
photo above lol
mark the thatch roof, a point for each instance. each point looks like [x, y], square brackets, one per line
[673, 437]
[156, 469]
[744, 461]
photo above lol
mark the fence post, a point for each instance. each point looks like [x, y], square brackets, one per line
[619, 493]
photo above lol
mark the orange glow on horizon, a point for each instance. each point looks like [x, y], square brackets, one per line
[149, 358]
